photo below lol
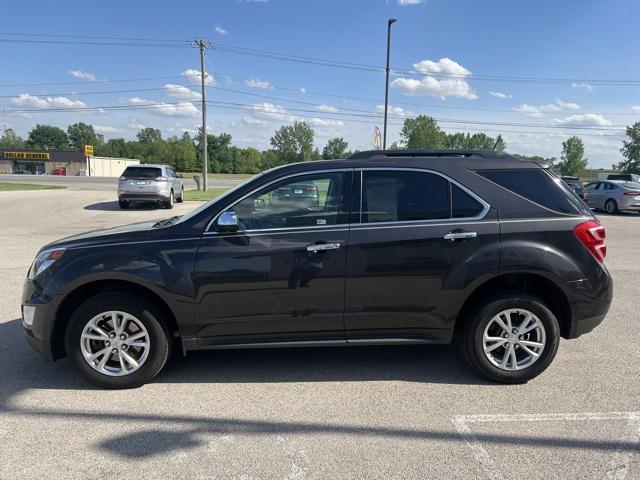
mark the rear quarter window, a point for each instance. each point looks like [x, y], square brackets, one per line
[538, 186]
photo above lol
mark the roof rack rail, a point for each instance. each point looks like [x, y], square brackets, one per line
[428, 153]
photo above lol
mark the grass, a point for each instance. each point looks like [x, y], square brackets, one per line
[200, 196]
[9, 187]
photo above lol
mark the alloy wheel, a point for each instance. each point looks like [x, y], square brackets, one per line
[514, 339]
[115, 343]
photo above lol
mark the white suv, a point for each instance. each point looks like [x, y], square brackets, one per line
[155, 183]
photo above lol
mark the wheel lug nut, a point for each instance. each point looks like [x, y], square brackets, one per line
[123, 336]
[115, 350]
[124, 346]
[514, 331]
[506, 345]
[505, 335]
[108, 343]
[112, 335]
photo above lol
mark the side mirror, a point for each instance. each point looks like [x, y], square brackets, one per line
[227, 222]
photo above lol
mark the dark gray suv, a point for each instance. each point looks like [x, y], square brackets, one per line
[394, 247]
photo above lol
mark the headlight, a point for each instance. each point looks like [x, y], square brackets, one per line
[44, 260]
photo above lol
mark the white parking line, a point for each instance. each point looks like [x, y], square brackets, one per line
[619, 464]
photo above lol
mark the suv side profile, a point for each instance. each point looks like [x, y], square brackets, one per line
[150, 183]
[396, 247]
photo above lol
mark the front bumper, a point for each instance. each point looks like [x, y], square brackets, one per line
[39, 333]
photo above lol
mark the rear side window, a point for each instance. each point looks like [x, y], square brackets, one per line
[397, 196]
[463, 205]
[537, 186]
[142, 172]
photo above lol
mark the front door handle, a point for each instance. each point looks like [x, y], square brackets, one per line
[451, 236]
[321, 247]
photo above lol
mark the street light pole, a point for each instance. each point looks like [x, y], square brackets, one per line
[390, 22]
[205, 162]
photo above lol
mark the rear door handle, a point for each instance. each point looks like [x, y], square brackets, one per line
[451, 236]
[321, 247]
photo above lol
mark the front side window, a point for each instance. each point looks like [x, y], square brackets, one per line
[301, 201]
[397, 196]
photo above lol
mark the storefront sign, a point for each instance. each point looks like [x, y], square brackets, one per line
[88, 150]
[27, 155]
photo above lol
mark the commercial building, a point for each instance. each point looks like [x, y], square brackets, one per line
[56, 162]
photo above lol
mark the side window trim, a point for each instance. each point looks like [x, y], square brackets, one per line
[485, 206]
[210, 231]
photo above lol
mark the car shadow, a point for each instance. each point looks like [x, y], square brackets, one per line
[23, 370]
[114, 206]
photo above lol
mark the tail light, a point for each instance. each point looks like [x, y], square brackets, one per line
[161, 179]
[592, 234]
[632, 194]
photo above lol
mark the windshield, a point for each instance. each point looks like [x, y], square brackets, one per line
[204, 206]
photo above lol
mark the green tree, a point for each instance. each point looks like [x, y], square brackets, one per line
[293, 143]
[477, 141]
[149, 135]
[571, 160]
[47, 137]
[536, 158]
[81, 134]
[183, 153]
[10, 139]
[335, 148]
[422, 132]
[631, 150]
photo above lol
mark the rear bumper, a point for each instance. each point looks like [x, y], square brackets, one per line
[144, 197]
[590, 300]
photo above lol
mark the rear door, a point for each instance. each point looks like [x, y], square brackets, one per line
[419, 241]
[595, 194]
[281, 277]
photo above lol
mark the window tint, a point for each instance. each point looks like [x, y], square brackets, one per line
[591, 186]
[609, 186]
[463, 205]
[303, 201]
[395, 196]
[538, 186]
[142, 172]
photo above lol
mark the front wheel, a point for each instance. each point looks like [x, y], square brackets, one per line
[169, 203]
[117, 340]
[511, 338]
[123, 204]
[180, 199]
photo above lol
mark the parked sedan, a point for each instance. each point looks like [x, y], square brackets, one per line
[614, 195]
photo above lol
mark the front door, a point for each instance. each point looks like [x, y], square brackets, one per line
[281, 276]
[420, 242]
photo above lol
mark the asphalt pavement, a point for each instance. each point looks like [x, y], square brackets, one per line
[362, 412]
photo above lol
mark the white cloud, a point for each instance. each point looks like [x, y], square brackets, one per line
[443, 88]
[501, 95]
[105, 129]
[32, 101]
[444, 66]
[249, 120]
[587, 119]
[271, 111]
[181, 92]
[182, 109]
[450, 87]
[221, 30]
[636, 108]
[303, 90]
[409, 2]
[83, 75]
[538, 111]
[327, 108]
[194, 76]
[325, 122]
[257, 83]
[586, 86]
[396, 111]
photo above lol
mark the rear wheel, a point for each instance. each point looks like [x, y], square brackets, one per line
[611, 206]
[117, 340]
[169, 203]
[511, 338]
[123, 204]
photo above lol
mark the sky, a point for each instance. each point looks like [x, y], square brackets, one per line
[535, 72]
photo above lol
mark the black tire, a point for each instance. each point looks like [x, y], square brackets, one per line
[169, 203]
[472, 343]
[180, 199]
[151, 318]
[611, 206]
[123, 204]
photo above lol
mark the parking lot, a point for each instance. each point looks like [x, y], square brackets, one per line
[367, 412]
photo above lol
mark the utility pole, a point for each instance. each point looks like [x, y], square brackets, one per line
[390, 22]
[203, 45]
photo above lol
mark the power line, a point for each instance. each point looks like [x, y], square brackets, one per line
[93, 82]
